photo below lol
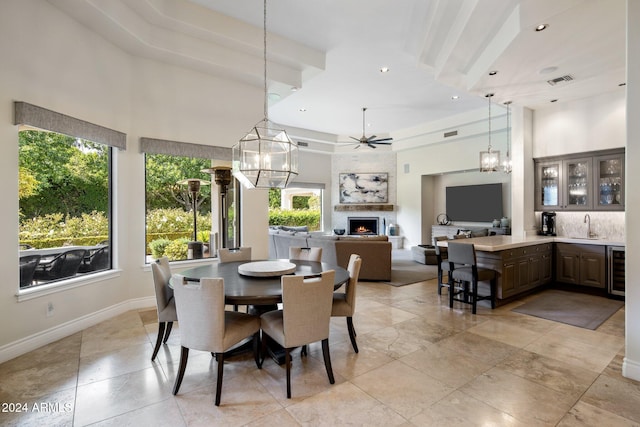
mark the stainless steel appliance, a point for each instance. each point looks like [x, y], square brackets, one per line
[548, 223]
[615, 265]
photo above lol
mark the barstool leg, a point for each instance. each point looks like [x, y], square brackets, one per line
[474, 295]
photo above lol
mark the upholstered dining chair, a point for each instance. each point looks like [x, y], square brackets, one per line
[464, 269]
[206, 326]
[234, 254]
[305, 254]
[344, 303]
[165, 303]
[304, 318]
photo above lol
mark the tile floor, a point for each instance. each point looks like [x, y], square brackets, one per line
[420, 363]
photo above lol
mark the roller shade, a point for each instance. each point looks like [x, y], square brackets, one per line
[184, 149]
[41, 118]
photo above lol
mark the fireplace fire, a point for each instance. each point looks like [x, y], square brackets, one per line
[364, 226]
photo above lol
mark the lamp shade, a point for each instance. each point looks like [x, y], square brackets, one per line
[265, 157]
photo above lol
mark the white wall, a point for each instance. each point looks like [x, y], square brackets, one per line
[584, 125]
[50, 60]
[631, 364]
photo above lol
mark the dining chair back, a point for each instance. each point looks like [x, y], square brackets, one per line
[28, 264]
[304, 318]
[165, 302]
[206, 326]
[234, 254]
[465, 270]
[63, 265]
[305, 254]
[344, 303]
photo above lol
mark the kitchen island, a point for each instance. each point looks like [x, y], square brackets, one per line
[522, 264]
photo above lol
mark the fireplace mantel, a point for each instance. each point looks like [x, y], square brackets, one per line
[363, 207]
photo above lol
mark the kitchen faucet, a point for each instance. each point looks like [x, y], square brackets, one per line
[587, 220]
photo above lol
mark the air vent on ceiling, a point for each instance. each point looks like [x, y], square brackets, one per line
[303, 144]
[451, 133]
[562, 79]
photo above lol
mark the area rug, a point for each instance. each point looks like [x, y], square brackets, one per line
[406, 272]
[573, 308]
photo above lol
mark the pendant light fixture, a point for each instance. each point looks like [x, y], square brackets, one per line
[507, 165]
[265, 157]
[490, 159]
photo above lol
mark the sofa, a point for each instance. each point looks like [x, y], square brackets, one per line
[375, 251]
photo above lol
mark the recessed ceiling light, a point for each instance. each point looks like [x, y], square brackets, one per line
[455, 97]
[272, 96]
[542, 27]
[302, 109]
[294, 88]
[493, 73]
[384, 69]
[554, 100]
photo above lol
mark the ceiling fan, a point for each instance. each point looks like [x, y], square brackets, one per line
[370, 141]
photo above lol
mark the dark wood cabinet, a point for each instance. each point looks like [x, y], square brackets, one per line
[580, 264]
[519, 269]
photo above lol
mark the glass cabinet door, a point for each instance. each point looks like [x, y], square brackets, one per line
[609, 194]
[548, 192]
[577, 183]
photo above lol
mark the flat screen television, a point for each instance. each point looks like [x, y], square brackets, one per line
[474, 203]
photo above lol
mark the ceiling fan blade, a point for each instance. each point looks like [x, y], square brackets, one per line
[354, 138]
[371, 145]
[372, 137]
[382, 140]
[380, 143]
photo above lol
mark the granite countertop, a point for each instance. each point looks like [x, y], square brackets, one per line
[500, 243]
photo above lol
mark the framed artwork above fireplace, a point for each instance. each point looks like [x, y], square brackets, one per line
[364, 187]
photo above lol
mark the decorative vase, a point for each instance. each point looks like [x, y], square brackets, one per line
[496, 223]
[504, 222]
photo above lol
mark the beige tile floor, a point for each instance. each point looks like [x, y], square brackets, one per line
[420, 363]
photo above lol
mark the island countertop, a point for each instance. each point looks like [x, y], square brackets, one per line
[500, 242]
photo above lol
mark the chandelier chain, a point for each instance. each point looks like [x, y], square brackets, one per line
[264, 50]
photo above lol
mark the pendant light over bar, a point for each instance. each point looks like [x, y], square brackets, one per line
[490, 159]
[265, 157]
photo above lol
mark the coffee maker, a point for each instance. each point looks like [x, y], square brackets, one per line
[548, 224]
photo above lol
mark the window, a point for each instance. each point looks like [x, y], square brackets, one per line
[64, 207]
[173, 227]
[297, 205]
[64, 196]
[169, 206]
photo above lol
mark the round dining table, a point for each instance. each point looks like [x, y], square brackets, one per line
[242, 289]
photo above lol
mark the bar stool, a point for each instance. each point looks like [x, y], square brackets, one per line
[468, 273]
[443, 263]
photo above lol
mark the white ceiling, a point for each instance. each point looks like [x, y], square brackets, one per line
[332, 50]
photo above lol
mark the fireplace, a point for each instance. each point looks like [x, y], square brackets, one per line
[363, 225]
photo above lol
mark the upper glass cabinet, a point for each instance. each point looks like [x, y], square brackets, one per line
[592, 182]
[609, 182]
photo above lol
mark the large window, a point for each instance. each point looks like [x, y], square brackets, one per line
[189, 215]
[170, 206]
[64, 192]
[296, 206]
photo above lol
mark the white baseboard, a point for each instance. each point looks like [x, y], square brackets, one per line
[631, 369]
[27, 344]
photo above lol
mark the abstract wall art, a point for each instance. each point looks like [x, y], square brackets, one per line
[364, 187]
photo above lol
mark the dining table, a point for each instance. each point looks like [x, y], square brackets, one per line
[257, 284]
[260, 288]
